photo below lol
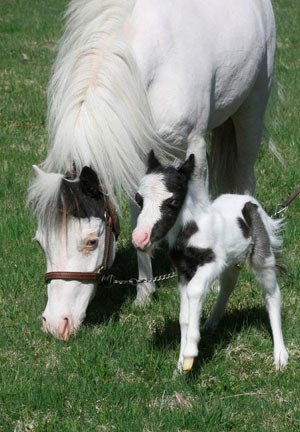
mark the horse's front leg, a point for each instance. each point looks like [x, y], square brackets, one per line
[196, 144]
[144, 289]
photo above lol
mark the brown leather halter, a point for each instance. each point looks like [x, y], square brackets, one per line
[112, 226]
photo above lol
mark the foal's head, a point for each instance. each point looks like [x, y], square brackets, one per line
[71, 229]
[161, 195]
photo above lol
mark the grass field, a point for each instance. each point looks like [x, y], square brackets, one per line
[116, 374]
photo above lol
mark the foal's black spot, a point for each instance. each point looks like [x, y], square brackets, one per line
[169, 213]
[187, 259]
[187, 231]
[175, 183]
[139, 200]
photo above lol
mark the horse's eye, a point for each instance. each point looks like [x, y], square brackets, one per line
[139, 199]
[92, 243]
[39, 243]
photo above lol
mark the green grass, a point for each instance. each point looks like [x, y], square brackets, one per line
[116, 374]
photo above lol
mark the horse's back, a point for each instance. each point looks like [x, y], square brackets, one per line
[198, 58]
[174, 30]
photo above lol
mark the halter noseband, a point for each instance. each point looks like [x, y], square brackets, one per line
[111, 227]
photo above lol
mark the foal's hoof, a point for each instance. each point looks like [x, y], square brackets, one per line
[187, 364]
[281, 358]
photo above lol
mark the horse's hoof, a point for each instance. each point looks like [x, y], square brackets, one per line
[187, 364]
[144, 294]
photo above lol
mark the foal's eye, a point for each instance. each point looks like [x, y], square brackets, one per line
[139, 200]
[174, 203]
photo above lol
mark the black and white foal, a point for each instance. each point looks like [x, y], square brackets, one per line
[206, 241]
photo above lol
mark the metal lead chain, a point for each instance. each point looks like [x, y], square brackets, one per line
[278, 212]
[162, 277]
[287, 202]
[110, 279]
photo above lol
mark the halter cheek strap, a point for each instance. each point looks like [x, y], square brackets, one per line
[111, 227]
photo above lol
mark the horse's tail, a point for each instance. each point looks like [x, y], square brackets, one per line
[222, 158]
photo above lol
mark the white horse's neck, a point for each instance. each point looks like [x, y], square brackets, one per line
[99, 114]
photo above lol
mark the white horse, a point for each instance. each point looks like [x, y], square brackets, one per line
[131, 75]
[206, 242]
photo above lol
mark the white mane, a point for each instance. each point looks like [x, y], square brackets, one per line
[98, 114]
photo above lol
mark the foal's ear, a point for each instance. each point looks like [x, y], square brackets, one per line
[153, 163]
[188, 166]
[89, 183]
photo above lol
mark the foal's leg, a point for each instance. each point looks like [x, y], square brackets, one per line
[144, 289]
[197, 290]
[228, 282]
[183, 321]
[266, 277]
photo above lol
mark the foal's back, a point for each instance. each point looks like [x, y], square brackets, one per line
[226, 227]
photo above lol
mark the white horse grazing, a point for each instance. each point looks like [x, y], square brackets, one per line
[132, 75]
[206, 241]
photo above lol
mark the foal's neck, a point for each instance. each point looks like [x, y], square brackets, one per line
[196, 202]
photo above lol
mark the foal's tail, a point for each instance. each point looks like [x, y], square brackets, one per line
[222, 159]
[274, 228]
[264, 232]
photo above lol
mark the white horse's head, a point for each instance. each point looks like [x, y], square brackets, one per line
[161, 195]
[72, 231]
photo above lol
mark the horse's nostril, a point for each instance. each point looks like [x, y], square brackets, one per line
[64, 328]
[44, 321]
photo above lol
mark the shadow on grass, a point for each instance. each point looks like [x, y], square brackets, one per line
[109, 300]
[211, 342]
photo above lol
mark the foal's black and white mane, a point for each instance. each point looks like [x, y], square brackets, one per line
[206, 241]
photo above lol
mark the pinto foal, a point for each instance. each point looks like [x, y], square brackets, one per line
[206, 241]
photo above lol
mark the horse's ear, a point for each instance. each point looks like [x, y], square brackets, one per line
[89, 183]
[153, 163]
[188, 166]
[38, 171]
